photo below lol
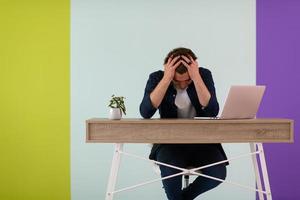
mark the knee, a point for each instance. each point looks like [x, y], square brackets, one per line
[217, 172]
[220, 172]
[167, 171]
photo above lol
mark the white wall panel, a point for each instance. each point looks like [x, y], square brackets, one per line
[114, 47]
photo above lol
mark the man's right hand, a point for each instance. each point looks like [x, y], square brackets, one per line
[170, 68]
[159, 92]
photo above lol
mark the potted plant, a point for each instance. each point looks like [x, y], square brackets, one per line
[117, 107]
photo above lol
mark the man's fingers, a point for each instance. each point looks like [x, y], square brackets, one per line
[193, 61]
[169, 60]
[185, 64]
[177, 64]
[174, 60]
[186, 59]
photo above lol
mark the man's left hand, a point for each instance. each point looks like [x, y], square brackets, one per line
[192, 67]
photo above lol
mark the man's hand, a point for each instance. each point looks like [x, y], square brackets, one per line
[192, 67]
[201, 89]
[159, 92]
[170, 68]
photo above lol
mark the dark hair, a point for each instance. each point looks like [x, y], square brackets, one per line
[181, 69]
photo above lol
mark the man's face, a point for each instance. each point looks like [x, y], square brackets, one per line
[181, 81]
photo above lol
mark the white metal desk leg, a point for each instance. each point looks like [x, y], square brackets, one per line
[264, 171]
[256, 170]
[114, 171]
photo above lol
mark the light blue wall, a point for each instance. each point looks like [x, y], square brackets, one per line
[114, 47]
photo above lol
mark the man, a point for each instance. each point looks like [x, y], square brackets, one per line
[184, 90]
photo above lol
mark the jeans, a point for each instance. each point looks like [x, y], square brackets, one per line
[187, 155]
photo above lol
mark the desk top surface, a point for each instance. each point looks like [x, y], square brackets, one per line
[189, 130]
[188, 121]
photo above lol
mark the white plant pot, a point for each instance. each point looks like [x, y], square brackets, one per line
[115, 113]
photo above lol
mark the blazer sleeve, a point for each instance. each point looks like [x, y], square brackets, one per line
[147, 110]
[212, 108]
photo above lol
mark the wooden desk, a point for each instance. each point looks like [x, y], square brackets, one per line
[253, 131]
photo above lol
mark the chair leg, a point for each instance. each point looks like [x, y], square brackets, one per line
[186, 181]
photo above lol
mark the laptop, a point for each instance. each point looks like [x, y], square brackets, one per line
[242, 102]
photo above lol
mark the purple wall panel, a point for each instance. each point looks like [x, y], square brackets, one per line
[278, 67]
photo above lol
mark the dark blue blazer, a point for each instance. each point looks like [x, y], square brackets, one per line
[168, 109]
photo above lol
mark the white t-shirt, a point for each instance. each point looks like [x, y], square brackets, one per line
[185, 109]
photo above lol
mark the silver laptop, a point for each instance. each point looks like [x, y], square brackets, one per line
[242, 102]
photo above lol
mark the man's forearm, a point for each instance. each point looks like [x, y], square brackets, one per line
[202, 91]
[159, 92]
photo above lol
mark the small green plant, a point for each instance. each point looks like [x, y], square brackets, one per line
[117, 102]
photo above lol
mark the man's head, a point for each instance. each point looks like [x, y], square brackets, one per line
[181, 81]
[181, 78]
[181, 51]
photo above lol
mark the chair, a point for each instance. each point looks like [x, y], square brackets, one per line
[186, 177]
[186, 180]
